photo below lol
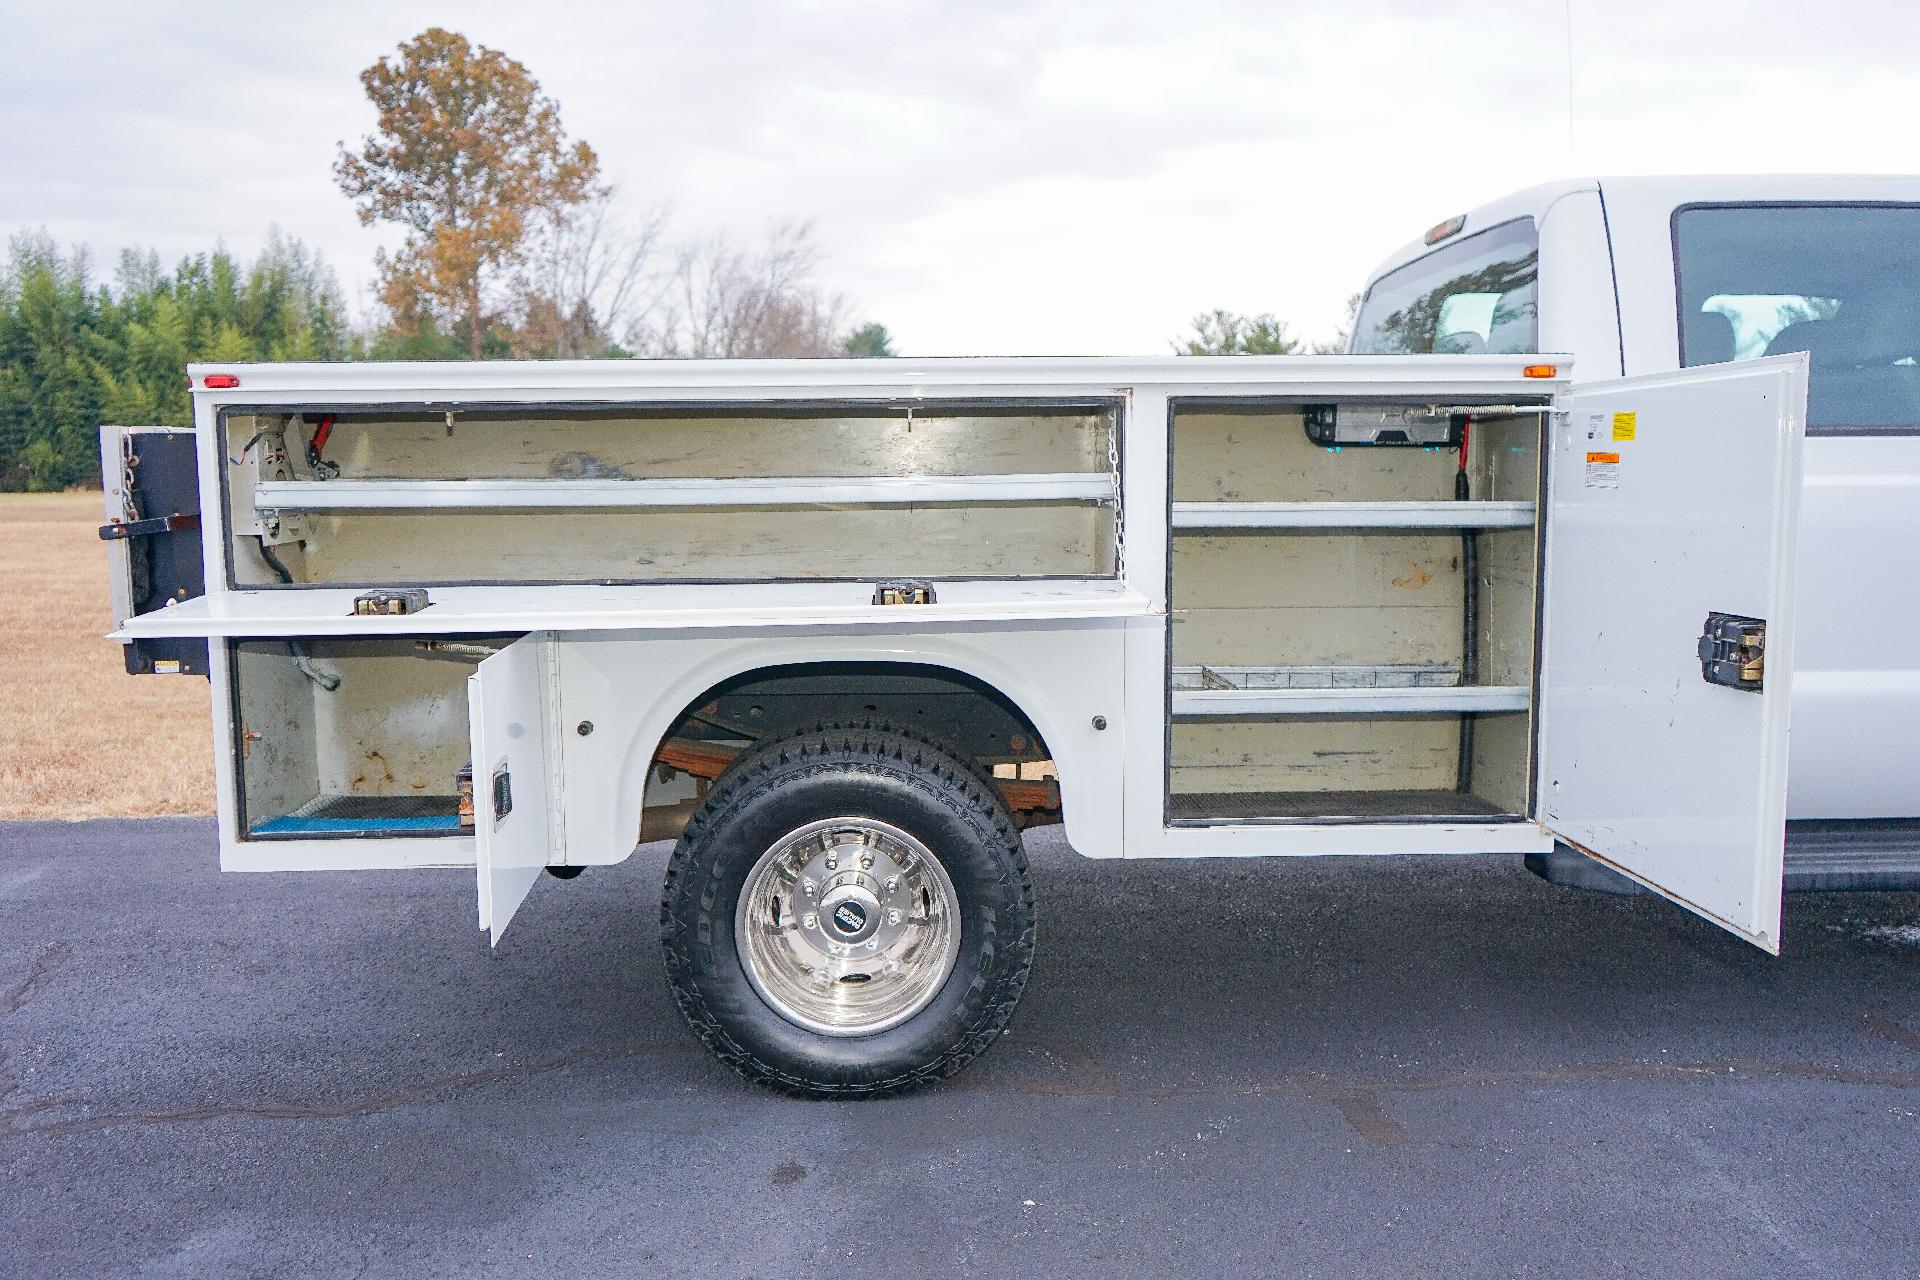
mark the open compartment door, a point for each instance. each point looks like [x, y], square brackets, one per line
[1673, 510]
[152, 531]
[508, 697]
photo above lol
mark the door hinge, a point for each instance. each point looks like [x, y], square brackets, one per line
[1733, 651]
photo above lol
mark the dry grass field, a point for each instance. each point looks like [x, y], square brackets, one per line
[80, 738]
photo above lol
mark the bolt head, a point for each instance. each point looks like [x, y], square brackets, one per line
[893, 917]
[810, 920]
[893, 882]
[866, 862]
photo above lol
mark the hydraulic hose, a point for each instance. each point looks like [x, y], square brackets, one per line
[302, 660]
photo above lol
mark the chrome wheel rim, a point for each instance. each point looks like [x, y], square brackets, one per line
[847, 926]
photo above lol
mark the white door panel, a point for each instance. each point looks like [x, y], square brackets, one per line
[1688, 506]
[508, 697]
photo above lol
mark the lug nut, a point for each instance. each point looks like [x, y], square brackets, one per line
[810, 920]
[893, 917]
[893, 882]
[866, 862]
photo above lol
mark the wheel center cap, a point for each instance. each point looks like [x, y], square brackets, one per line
[849, 914]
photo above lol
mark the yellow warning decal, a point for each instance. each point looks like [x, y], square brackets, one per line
[1624, 425]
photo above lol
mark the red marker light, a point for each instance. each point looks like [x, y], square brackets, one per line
[220, 381]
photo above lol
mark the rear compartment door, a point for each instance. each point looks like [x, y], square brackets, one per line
[152, 531]
[508, 697]
[1673, 510]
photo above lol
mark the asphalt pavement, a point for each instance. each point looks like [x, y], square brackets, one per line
[1361, 1067]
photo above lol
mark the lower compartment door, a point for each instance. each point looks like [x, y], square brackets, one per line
[1673, 509]
[514, 764]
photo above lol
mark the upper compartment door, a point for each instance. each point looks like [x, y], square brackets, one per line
[513, 824]
[1674, 498]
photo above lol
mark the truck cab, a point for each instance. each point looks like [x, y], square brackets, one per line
[1637, 276]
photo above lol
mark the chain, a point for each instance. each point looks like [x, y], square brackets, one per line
[1119, 511]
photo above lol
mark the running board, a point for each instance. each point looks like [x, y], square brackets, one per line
[1825, 855]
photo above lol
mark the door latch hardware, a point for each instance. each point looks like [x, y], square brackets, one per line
[143, 528]
[400, 600]
[1733, 651]
[904, 591]
[502, 795]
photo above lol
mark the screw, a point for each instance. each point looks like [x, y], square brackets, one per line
[1099, 723]
[584, 728]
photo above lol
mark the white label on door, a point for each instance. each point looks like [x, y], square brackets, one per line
[1603, 471]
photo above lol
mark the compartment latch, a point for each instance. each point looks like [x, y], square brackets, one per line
[904, 591]
[1733, 651]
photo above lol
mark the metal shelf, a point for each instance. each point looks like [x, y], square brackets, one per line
[769, 491]
[1228, 516]
[1404, 701]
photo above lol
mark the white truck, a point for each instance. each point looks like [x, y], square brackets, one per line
[847, 626]
[1647, 275]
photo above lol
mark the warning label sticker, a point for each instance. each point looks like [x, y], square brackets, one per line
[1624, 425]
[1603, 471]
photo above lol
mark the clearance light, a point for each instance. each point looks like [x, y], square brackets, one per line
[1451, 227]
[220, 381]
[1541, 371]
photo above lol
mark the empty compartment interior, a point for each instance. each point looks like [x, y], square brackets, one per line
[1303, 653]
[552, 495]
[378, 754]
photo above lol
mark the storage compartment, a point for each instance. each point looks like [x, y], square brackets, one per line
[1349, 639]
[684, 493]
[378, 754]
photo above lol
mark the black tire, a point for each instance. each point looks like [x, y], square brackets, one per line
[867, 770]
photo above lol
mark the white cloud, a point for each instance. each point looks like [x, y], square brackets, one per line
[999, 177]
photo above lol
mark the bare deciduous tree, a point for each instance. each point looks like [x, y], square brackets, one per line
[590, 278]
[724, 300]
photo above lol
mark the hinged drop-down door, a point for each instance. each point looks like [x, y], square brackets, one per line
[1667, 632]
[508, 697]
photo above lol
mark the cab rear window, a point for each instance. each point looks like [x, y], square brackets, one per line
[1840, 282]
[1472, 297]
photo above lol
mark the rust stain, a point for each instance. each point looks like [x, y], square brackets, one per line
[1414, 581]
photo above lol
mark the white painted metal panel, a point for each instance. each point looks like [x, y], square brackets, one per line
[1689, 506]
[510, 733]
[1352, 515]
[757, 491]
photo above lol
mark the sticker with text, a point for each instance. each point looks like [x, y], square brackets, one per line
[1603, 471]
[1624, 425]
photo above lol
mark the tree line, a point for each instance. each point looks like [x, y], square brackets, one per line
[513, 246]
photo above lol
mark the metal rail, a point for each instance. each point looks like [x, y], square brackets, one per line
[768, 491]
[1228, 516]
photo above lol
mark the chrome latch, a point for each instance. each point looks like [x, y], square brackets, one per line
[1733, 652]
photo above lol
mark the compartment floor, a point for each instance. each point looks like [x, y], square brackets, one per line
[1240, 806]
[367, 813]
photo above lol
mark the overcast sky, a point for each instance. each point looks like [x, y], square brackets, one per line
[1017, 178]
